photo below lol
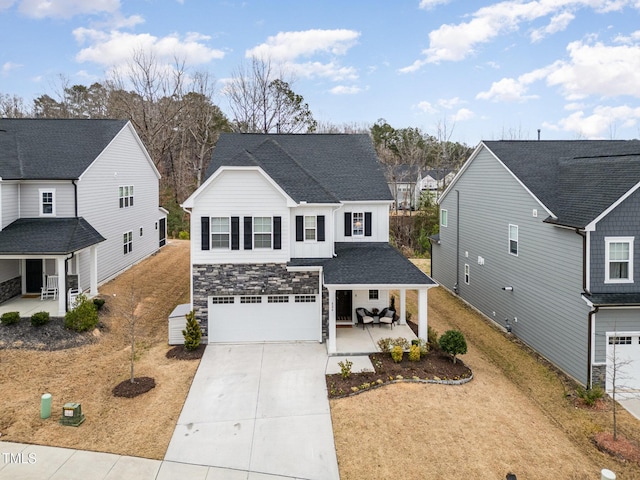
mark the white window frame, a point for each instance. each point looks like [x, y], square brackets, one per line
[374, 295]
[516, 240]
[269, 223]
[41, 193]
[310, 229]
[220, 234]
[357, 224]
[607, 260]
[444, 217]
[127, 243]
[467, 273]
[125, 196]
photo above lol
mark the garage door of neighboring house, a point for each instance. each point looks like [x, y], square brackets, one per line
[264, 318]
[627, 357]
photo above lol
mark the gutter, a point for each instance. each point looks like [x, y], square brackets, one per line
[75, 196]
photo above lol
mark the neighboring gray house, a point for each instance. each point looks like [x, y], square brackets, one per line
[539, 236]
[431, 182]
[78, 200]
[289, 235]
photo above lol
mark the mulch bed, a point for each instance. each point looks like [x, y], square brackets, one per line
[435, 366]
[139, 386]
[49, 337]
[180, 353]
[621, 448]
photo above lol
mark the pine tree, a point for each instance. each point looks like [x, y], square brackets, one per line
[192, 334]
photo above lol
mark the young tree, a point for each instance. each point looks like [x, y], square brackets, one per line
[192, 333]
[127, 305]
[453, 342]
[616, 376]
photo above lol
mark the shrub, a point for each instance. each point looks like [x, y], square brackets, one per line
[401, 342]
[345, 368]
[39, 318]
[192, 333]
[9, 318]
[183, 235]
[83, 317]
[99, 303]
[453, 342]
[384, 344]
[432, 337]
[414, 353]
[396, 353]
[590, 395]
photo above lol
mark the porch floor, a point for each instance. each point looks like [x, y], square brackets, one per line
[29, 306]
[356, 341]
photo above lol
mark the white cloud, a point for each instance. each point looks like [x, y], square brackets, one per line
[67, 8]
[557, 24]
[426, 107]
[450, 103]
[9, 66]
[462, 115]
[5, 4]
[427, 4]
[329, 70]
[116, 48]
[454, 42]
[345, 90]
[515, 90]
[601, 123]
[287, 46]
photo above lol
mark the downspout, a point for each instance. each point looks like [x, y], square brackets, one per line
[456, 286]
[592, 312]
[75, 197]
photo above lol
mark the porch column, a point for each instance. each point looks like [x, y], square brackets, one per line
[93, 271]
[331, 334]
[422, 313]
[62, 286]
[403, 307]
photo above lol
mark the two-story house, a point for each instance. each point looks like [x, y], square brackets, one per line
[290, 234]
[78, 201]
[539, 236]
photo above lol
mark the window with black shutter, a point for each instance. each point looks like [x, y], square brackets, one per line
[204, 232]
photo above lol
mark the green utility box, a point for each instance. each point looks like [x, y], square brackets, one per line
[72, 414]
[45, 406]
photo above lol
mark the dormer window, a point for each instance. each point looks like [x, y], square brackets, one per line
[358, 223]
[47, 202]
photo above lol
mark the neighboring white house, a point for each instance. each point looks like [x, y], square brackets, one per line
[78, 200]
[290, 234]
[431, 182]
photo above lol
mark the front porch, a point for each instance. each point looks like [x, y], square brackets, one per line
[27, 306]
[354, 340]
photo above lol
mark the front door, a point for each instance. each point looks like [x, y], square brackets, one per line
[344, 305]
[33, 274]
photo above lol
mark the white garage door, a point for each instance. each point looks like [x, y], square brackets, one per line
[265, 318]
[627, 359]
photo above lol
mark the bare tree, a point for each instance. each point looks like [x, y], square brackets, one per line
[12, 106]
[127, 306]
[616, 376]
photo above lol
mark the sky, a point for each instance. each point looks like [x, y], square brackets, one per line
[469, 70]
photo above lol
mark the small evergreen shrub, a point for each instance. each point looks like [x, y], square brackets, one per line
[345, 368]
[10, 318]
[99, 303]
[39, 318]
[183, 235]
[590, 395]
[396, 353]
[192, 333]
[83, 317]
[453, 342]
[414, 353]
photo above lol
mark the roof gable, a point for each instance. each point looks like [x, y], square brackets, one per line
[52, 149]
[316, 168]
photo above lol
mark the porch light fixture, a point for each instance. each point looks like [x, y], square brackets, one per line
[508, 289]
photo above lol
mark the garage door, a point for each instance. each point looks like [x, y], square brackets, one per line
[626, 349]
[265, 318]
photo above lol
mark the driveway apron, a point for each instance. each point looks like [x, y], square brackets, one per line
[259, 408]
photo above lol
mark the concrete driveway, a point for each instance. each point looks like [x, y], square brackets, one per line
[259, 410]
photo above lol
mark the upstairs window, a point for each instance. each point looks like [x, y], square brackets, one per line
[125, 194]
[513, 240]
[220, 232]
[619, 260]
[309, 227]
[358, 224]
[443, 218]
[262, 232]
[47, 202]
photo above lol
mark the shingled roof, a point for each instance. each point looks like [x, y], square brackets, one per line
[52, 149]
[316, 168]
[575, 179]
[47, 236]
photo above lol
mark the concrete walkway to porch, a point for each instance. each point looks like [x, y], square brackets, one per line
[356, 341]
[27, 306]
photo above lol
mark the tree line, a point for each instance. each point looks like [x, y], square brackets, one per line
[176, 116]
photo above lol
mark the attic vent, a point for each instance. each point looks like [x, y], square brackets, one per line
[535, 213]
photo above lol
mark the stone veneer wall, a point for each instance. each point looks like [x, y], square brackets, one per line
[10, 288]
[247, 279]
[598, 375]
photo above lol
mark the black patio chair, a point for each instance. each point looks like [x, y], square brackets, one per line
[388, 317]
[364, 316]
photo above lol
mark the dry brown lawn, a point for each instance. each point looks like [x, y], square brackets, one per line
[139, 426]
[514, 416]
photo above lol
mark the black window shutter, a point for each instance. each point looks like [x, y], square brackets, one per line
[367, 224]
[277, 233]
[299, 228]
[204, 230]
[248, 236]
[235, 233]
[347, 224]
[320, 228]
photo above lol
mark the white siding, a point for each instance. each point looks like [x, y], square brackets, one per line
[240, 194]
[9, 269]
[312, 249]
[64, 201]
[379, 219]
[123, 162]
[10, 203]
